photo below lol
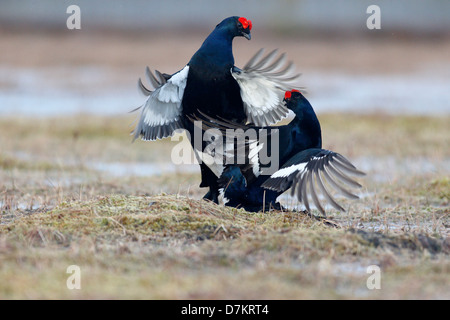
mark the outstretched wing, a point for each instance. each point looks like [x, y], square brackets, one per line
[263, 82]
[161, 113]
[314, 168]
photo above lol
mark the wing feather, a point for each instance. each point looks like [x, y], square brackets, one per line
[263, 86]
[161, 113]
[309, 172]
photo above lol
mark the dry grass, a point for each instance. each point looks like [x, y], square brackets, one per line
[160, 246]
[151, 237]
[385, 135]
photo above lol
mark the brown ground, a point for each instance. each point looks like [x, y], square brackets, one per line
[370, 54]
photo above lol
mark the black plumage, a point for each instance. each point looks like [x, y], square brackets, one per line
[305, 168]
[211, 84]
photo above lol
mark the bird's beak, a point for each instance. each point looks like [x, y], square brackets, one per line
[247, 36]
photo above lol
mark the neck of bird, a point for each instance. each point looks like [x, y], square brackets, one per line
[216, 50]
[309, 126]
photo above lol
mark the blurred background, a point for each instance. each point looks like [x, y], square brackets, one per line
[47, 69]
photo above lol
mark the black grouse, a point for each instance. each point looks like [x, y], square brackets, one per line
[306, 168]
[212, 85]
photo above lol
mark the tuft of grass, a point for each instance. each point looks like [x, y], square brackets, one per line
[440, 188]
[171, 246]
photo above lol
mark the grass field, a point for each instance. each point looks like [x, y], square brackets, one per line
[147, 234]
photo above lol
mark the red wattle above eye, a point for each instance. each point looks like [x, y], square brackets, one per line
[245, 23]
[287, 95]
